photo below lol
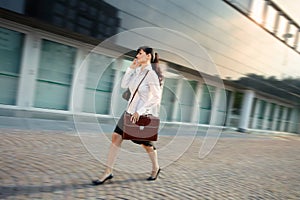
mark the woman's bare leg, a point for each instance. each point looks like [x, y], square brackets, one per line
[112, 154]
[153, 157]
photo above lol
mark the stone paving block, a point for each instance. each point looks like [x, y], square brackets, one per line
[57, 165]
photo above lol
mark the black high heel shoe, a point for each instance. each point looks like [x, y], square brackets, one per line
[155, 177]
[98, 182]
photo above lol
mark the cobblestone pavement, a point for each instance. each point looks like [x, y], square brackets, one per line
[56, 165]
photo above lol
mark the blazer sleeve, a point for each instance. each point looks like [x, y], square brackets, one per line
[127, 77]
[155, 90]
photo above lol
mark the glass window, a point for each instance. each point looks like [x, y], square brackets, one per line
[73, 2]
[168, 98]
[271, 18]
[208, 93]
[13, 5]
[85, 22]
[229, 96]
[93, 11]
[297, 40]
[272, 112]
[261, 113]
[257, 10]
[71, 14]
[83, 6]
[54, 75]
[11, 46]
[59, 8]
[282, 27]
[108, 31]
[58, 20]
[292, 33]
[70, 25]
[262, 109]
[101, 16]
[82, 30]
[222, 106]
[99, 84]
[288, 121]
[279, 119]
[224, 100]
[187, 100]
[254, 104]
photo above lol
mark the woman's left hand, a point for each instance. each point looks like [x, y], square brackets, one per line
[135, 117]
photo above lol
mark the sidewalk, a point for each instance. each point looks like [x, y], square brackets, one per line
[56, 165]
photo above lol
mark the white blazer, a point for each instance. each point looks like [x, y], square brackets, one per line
[148, 97]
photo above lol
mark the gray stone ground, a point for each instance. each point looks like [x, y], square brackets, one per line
[56, 165]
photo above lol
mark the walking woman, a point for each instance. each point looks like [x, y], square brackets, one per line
[146, 101]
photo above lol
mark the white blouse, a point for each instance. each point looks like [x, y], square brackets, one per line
[148, 97]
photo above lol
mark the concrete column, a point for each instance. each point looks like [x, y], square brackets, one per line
[298, 121]
[177, 101]
[79, 80]
[29, 70]
[275, 117]
[265, 125]
[293, 121]
[264, 14]
[118, 104]
[230, 105]
[284, 118]
[246, 110]
[256, 113]
[196, 112]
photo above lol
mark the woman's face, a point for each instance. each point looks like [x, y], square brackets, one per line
[142, 57]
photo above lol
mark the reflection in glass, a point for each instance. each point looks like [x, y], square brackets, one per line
[11, 45]
[282, 26]
[271, 18]
[208, 93]
[54, 75]
[99, 85]
[257, 10]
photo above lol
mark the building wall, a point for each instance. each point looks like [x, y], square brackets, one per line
[237, 45]
[52, 80]
[40, 70]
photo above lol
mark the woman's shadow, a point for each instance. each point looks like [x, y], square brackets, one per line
[10, 191]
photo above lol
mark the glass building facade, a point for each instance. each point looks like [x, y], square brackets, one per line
[47, 62]
[11, 44]
[54, 76]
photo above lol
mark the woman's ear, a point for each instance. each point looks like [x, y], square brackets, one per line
[149, 56]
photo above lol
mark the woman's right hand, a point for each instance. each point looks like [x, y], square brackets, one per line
[134, 64]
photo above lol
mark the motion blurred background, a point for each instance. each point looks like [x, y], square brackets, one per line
[254, 46]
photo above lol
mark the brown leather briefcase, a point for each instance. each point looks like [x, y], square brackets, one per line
[146, 129]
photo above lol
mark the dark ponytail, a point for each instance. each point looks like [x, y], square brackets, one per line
[156, 68]
[154, 61]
